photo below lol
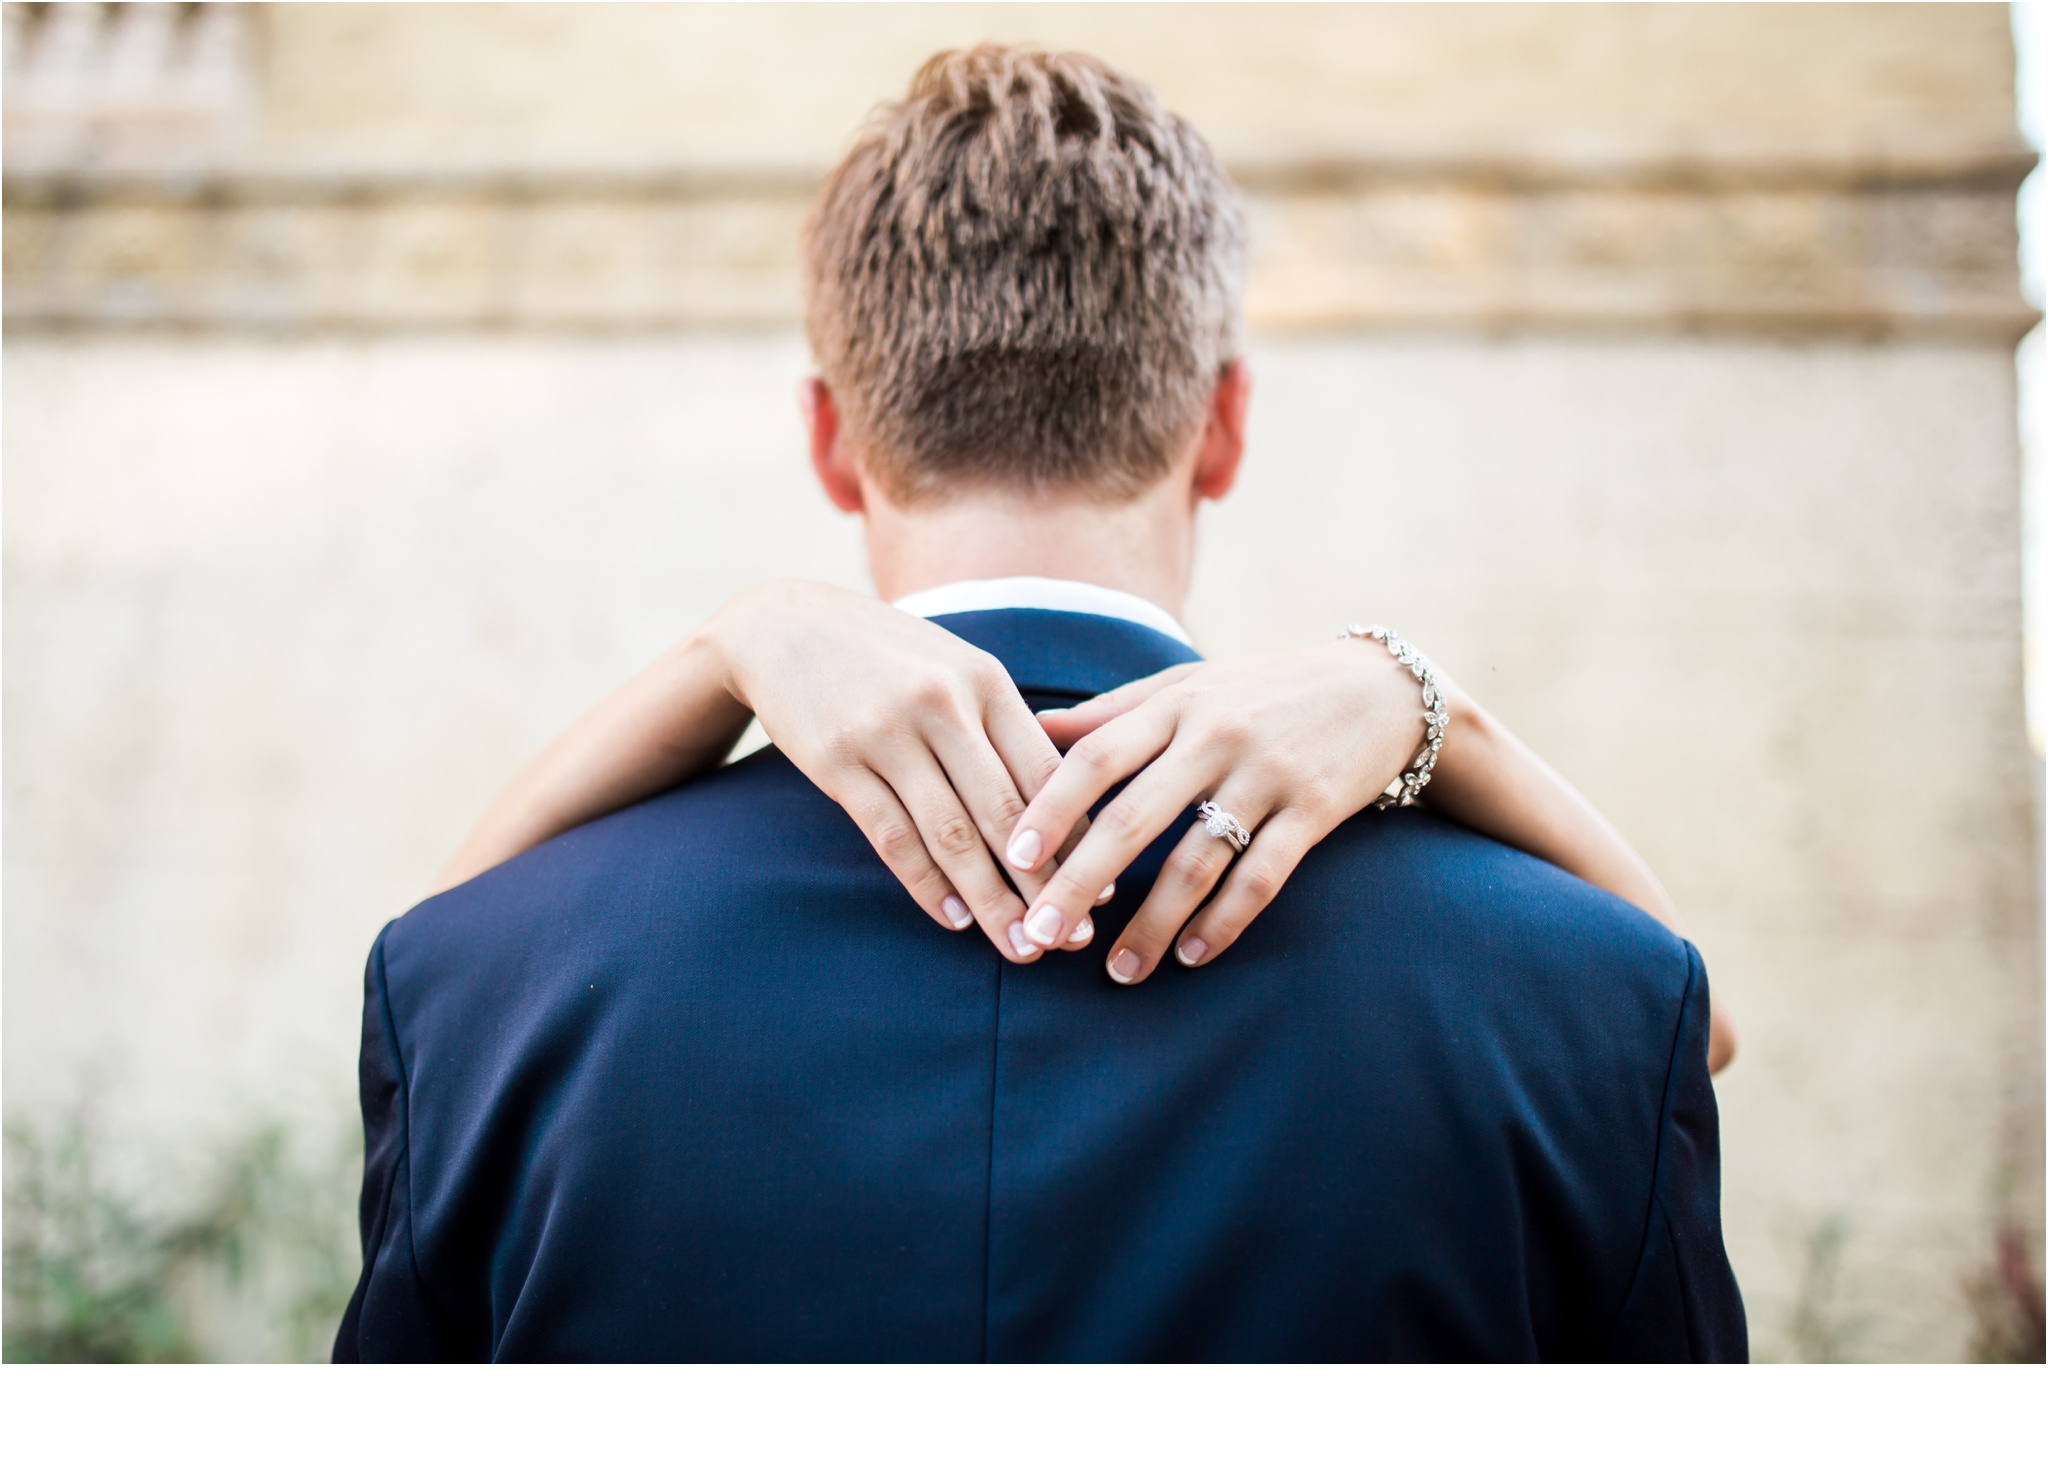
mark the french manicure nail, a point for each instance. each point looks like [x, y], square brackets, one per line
[1107, 892]
[1193, 950]
[1019, 943]
[1025, 849]
[1084, 931]
[1124, 966]
[1043, 925]
[957, 913]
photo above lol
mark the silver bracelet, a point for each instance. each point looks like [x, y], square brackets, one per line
[1415, 777]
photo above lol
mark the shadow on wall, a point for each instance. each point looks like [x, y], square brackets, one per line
[257, 1267]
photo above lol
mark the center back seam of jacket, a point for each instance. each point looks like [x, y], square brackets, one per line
[988, 1195]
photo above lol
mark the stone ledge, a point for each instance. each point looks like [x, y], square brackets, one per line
[1338, 244]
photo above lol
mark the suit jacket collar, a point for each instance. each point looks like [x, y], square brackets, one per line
[1066, 654]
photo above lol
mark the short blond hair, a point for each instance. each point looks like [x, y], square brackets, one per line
[1027, 273]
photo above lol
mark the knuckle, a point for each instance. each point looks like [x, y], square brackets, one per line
[1121, 820]
[843, 745]
[1230, 730]
[955, 835]
[1144, 932]
[1006, 809]
[1317, 792]
[934, 694]
[1070, 894]
[1090, 753]
[986, 675]
[896, 841]
[930, 882]
[1277, 766]
[1261, 883]
[1216, 931]
[870, 729]
[1189, 869]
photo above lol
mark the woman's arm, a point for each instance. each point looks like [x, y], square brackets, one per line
[1488, 780]
[673, 721]
[1292, 745]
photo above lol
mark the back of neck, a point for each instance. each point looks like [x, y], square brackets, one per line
[1142, 545]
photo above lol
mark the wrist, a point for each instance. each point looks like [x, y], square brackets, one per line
[719, 648]
[1469, 735]
[1415, 775]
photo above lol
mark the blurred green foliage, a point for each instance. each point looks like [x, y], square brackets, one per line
[1821, 1331]
[255, 1264]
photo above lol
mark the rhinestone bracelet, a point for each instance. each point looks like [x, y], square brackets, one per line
[1415, 777]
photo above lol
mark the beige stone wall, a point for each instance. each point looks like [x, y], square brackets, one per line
[640, 166]
[1650, 365]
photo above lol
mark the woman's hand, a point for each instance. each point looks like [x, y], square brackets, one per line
[921, 737]
[918, 735]
[1292, 745]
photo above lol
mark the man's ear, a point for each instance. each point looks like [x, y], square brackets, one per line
[831, 456]
[1222, 446]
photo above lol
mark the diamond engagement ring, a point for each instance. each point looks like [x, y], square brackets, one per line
[1224, 825]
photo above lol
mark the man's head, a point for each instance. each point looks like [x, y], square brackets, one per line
[1024, 281]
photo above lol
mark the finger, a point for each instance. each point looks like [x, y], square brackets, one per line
[1146, 809]
[889, 828]
[956, 846]
[1074, 838]
[1190, 873]
[1111, 753]
[980, 777]
[1065, 726]
[1030, 884]
[1083, 933]
[1031, 760]
[983, 785]
[1018, 739]
[1250, 887]
[992, 764]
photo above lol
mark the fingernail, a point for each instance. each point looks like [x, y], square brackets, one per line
[1124, 966]
[1084, 933]
[1193, 950]
[1019, 943]
[957, 913]
[1025, 849]
[1043, 925]
[1107, 892]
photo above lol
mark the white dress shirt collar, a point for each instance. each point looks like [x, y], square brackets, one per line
[1037, 593]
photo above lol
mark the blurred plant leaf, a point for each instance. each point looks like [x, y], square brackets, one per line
[258, 1266]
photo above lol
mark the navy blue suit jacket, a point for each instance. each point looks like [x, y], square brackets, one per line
[699, 1081]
